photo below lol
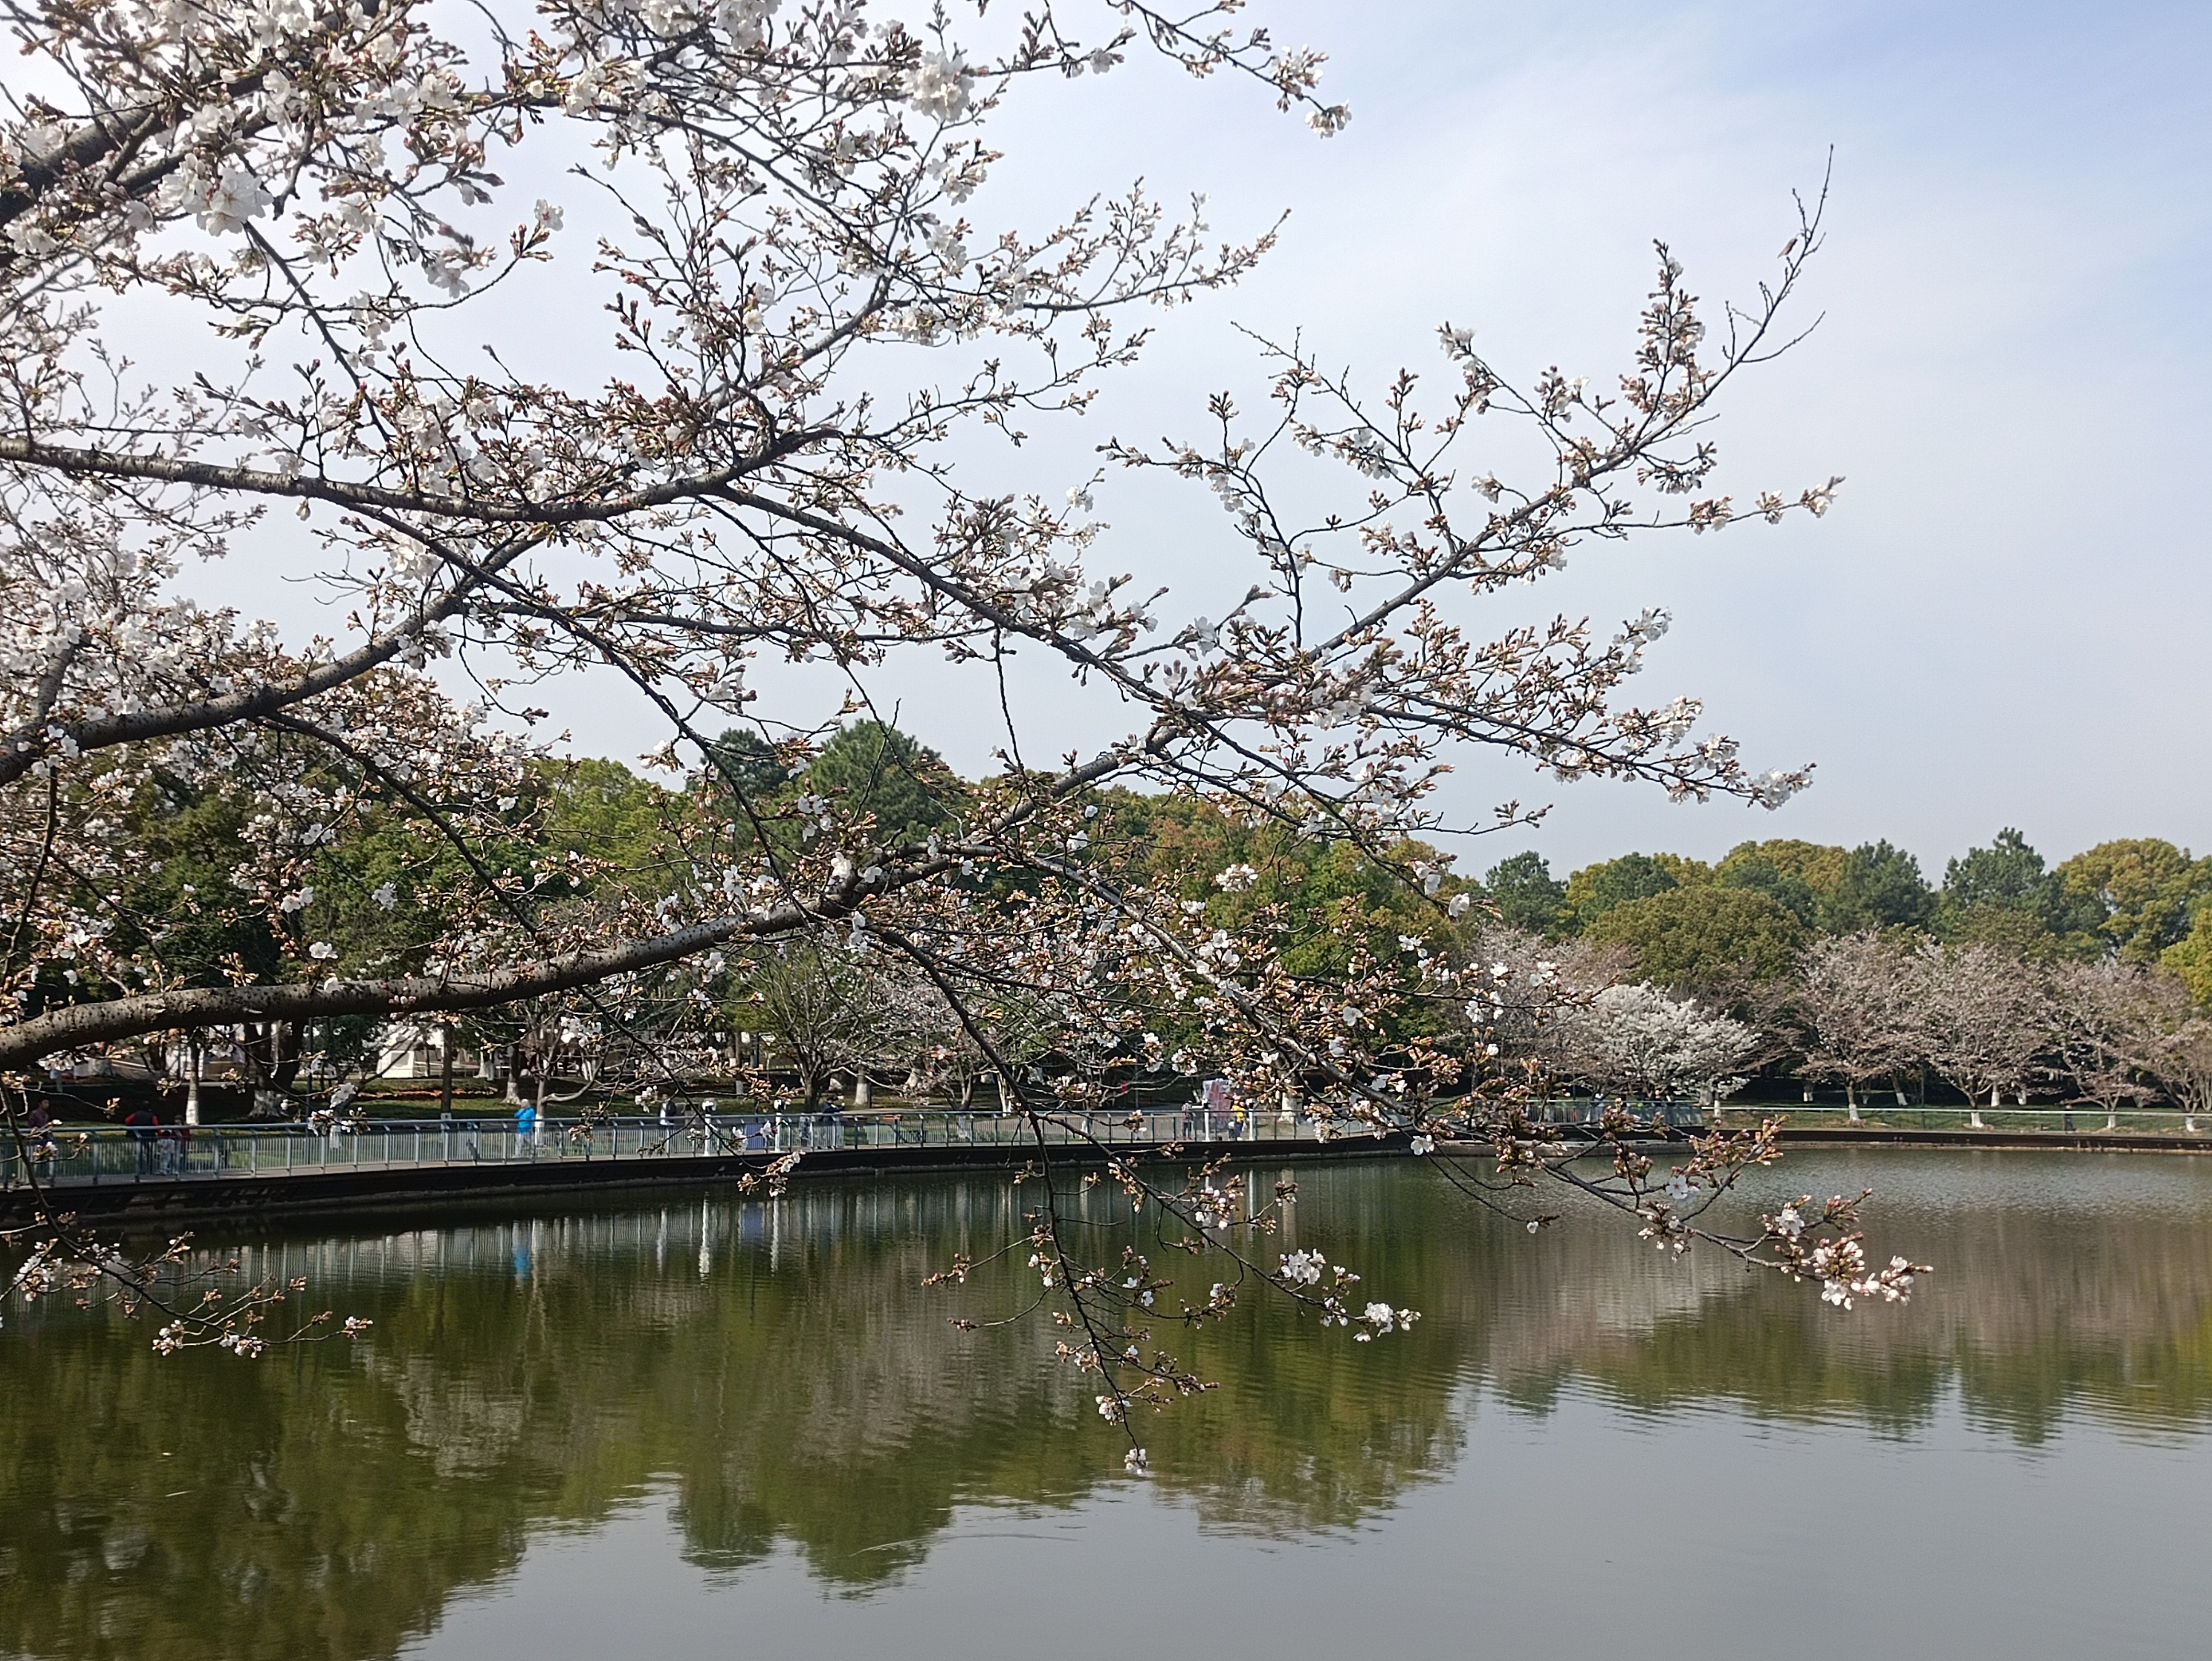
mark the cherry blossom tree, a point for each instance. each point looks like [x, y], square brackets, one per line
[1534, 985]
[2105, 1023]
[1854, 1012]
[2180, 1052]
[778, 444]
[1639, 1041]
[835, 1010]
[1983, 1019]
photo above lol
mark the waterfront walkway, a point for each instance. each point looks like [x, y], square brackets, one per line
[172, 1174]
[175, 1175]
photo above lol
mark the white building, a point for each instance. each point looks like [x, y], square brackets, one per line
[415, 1049]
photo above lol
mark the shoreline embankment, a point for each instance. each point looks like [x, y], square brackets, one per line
[153, 1202]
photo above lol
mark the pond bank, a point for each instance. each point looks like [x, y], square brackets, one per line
[154, 1200]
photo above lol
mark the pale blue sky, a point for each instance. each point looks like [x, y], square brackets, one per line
[2004, 621]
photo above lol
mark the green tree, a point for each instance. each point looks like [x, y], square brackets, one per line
[1327, 904]
[232, 881]
[1877, 886]
[189, 907]
[743, 782]
[748, 761]
[1706, 940]
[603, 810]
[2191, 957]
[1597, 889]
[1526, 893]
[2002, 895]
[879, 769]
[2135, 895]
[178, 903]
[1802, 875]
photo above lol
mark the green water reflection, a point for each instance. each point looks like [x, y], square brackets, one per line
[775, 1368]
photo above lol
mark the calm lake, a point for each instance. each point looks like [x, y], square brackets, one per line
[720, 1429]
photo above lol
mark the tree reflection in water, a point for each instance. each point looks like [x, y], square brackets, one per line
[774, 1368]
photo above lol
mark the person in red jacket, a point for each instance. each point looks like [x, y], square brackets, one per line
[142, 1124]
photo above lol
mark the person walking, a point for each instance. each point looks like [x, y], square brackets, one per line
[141, 1123]
[41, 1128]
[526, 1125]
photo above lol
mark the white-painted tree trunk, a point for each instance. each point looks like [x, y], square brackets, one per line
[1851, 1100]
[192, 1062]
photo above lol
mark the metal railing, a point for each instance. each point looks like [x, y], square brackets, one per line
[2061, 1118]
[102, 1154]
[68, 1157]
[1588, 1110]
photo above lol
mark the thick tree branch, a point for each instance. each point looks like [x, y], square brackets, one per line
[79, 1024]
[92, 462]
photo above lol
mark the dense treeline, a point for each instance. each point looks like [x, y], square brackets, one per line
[592, 839]
[1650, 974]
[1714, 928]
[1830, 965]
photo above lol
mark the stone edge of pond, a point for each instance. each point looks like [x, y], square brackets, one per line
[156, 1203]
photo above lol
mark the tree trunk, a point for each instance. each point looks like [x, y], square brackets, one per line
[1851, 1100]
[862, 1096]
[192, 1081]
[999, 1080]
[446, 1071]
[1974, 1115]
[287, 1046]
